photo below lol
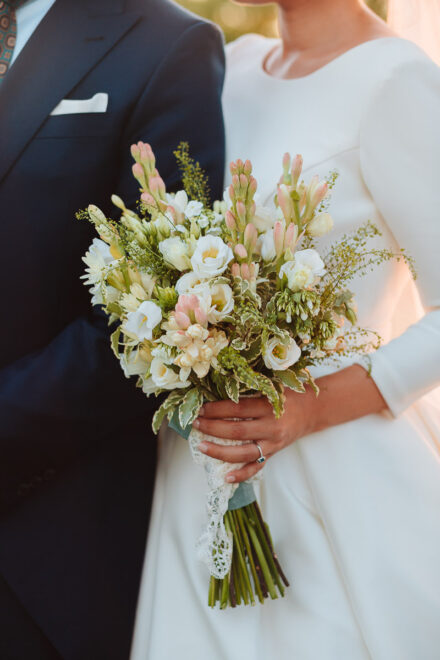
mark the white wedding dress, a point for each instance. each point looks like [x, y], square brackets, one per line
[354, 510]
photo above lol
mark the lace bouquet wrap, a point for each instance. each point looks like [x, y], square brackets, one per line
[224, 301]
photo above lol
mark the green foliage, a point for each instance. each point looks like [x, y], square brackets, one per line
[194, 179]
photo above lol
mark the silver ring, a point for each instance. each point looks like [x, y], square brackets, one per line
[261, 457]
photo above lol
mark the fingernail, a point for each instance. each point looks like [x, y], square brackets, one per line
[196, 423]
[202, 411]
[203, 447]
[230, 478]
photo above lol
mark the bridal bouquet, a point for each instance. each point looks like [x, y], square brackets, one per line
[225, 301]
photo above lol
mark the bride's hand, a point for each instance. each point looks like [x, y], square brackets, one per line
[256, 424]
[345, 395]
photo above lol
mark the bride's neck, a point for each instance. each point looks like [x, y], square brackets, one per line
[315, 31]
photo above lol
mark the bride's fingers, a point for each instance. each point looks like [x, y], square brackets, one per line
[255, 407]
[244, 473]
[232, 430]
[232, 454]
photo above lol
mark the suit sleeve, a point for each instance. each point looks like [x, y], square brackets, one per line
[53, 401]
[182, 102]
[400, 160]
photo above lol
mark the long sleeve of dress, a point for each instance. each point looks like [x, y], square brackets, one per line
[400, 161]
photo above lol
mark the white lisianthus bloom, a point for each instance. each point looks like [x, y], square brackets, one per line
[135, 364]
[187, 283]
[302, 272]
[279, 356]
[320, 225]
[211, 256]
[141, 323]
[266, 245]
[104, 295]
[222, 302]
[175, 252]
[164, 377]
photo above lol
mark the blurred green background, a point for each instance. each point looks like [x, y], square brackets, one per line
[238, 19]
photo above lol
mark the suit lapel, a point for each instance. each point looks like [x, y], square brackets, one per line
[71, 39]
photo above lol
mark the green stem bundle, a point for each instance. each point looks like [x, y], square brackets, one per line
[255, 570]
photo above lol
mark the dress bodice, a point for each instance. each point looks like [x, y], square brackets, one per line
[370, 114]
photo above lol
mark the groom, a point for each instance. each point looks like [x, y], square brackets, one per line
[80, 80]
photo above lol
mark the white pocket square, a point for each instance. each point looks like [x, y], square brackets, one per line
[97, 103]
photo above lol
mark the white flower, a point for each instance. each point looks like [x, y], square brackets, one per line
[135, 364]
[222, 302]
[140, 324]
[211, 256]
[175, 252]
[320, 225]
[187, 283]
[266, 245]
[149, 386]
[279, 356]
[97, 259]
[164, 377]
[183, 208]
[302, 272]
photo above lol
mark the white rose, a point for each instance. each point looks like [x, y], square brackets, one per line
[141, 323]
[302, 272]
[175, 252]
[187, 283]
[164, 377]
[278, 356]
[222, 302]
[211, 256]
[320, 225]
[135, 364]
[149, 386]
[266, 245]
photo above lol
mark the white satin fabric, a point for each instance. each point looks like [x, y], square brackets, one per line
[354, 510]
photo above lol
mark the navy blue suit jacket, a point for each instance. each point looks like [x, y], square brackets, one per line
[77, 456]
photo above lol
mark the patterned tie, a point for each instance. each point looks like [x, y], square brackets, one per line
[8, 32]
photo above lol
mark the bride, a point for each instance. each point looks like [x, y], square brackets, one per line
[352, 487]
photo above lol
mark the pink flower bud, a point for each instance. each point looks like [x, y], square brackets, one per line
[233, 168]
[239, 165]
[157, 184]
[250, 237]
[297, 165]
[235, 270]
[247, 167]
[230, 221]
[243, 181]
[286, 163]
[245, 272]
[172, 212]
[253, 185]
[182, 320]
[253, 268]
[319, 194]
[138, 173]
[278, 237]
[200, 316]
[148, 199]
[241, 251]
[135, 151]
[285, 202]
[241, 211]
[231, 191]
[235, 181]
[291, 236]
